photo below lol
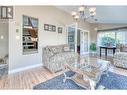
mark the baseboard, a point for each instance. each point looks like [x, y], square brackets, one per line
[24, 68]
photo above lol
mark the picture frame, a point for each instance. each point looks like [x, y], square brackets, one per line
[46, 27]
[53, 28]
[50, 28]
[60, 29]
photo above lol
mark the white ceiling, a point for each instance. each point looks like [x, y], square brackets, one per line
[104, 14]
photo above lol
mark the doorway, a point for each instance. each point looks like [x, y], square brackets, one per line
[4, 42]
[84, 42]
[78, 39]
[72, 36]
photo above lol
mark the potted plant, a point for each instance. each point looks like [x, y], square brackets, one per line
[93, 48]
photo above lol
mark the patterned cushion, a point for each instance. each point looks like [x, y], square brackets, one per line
[120, 59]
[66, 49]
[54, 50]
[57, 49]
[62, 56]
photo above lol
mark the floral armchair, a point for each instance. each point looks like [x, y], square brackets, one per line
[120, 59]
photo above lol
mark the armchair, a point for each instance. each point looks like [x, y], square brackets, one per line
[120, 59]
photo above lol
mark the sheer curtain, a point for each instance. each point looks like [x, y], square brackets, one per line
[120, 36]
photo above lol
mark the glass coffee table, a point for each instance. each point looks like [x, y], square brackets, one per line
[88, 71]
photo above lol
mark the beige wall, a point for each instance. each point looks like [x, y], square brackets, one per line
[4, 41]
[93, 32]
[45, 14]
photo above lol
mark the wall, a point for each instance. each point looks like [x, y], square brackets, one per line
[45, 14]
[4, 41]
[93, 33]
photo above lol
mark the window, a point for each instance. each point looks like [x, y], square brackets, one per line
[121, 37]
[112, 37]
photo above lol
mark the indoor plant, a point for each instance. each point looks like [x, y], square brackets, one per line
[93, 48]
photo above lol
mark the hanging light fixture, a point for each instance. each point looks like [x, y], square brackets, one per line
[85, 13]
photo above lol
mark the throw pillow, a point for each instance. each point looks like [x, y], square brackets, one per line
[54, 49]
[66, 49]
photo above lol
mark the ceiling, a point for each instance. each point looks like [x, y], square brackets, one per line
[104, 14]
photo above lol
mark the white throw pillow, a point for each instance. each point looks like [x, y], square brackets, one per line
[66, 49]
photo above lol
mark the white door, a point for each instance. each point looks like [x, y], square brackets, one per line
[84, 42]
[72, 36]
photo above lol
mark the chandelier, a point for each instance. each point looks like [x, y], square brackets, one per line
[84, 13]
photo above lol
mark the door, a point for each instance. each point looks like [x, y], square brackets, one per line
[72, 36]
[84, 42]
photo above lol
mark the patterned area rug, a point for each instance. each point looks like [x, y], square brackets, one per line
[112, 81]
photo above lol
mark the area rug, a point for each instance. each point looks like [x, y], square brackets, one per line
[112, 81]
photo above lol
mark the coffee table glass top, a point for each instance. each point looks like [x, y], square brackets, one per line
[90, 67]
[83, 67]
[86, 64]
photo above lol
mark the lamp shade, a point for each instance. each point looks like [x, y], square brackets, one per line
[73, 13]
[92, 9]
[81, 9]
[76, 17]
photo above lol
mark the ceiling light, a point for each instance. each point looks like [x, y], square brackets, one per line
[85, 13]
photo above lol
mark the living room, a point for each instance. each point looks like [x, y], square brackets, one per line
[49, 26]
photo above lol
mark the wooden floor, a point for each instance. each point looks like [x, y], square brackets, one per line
[27, 79]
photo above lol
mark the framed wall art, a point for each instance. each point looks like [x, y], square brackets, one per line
[53, 28]
[60, 29]
[49, 27]
[46, 27]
